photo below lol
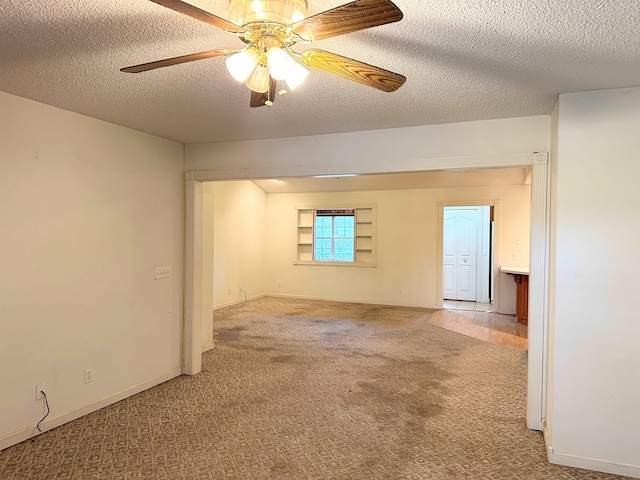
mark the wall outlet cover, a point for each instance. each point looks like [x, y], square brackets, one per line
[162, 272]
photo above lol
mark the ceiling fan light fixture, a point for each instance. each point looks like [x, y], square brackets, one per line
[296, 75]
[269, 28]
[243, 12]
[259, 81]
[279, 62]
[241, 64]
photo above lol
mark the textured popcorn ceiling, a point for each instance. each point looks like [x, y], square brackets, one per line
[463, 59]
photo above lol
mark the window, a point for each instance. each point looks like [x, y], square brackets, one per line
[334, 233]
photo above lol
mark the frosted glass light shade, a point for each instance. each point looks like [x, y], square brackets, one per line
[296, 76]
[258, 81]
[242, 12]
[241, 64]
[280, 63]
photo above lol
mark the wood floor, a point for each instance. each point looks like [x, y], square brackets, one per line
[490, 327]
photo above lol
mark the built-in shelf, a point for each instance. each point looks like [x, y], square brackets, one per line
[364, 248]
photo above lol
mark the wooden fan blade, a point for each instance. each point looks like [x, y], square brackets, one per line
[259, 99]
[198, 14]
[348, 18]
[175, 60]
[353, 70]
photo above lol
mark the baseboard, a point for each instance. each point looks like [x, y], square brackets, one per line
[547, 442]
[237, 302]
[208, 347]
[26, 434]
[596, 464]
[349, 300]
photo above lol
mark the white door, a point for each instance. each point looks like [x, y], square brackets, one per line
[460, 253]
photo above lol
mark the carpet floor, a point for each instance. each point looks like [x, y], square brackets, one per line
[298, 389]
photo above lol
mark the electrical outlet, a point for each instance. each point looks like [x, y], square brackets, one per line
[39, 390]
[162, 272]
[88, 375]
[229, 291]
[515, 256]
[279, 284]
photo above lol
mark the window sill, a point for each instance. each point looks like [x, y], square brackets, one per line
[334, 264]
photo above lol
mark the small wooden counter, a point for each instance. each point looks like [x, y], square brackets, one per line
[521, 277]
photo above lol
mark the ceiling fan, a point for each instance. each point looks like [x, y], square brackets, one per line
[269, 28]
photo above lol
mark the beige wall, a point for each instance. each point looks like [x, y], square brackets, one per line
[239, 241]
[88, 210]
[595, 330]
[407, 242]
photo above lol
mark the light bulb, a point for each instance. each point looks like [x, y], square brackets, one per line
[296, 75]
[259, 81]
[241, 64]
[280, 63]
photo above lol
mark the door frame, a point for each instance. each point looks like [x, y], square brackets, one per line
[480, 244]
[495, 203]
[538, 257]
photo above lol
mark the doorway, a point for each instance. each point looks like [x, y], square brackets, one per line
[538, 286]
[467, 253]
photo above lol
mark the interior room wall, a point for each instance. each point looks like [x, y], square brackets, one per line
[239, 241]
[88, 211]
[595, 385]
[407, 229]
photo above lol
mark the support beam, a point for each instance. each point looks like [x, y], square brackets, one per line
[192, 331]
[538, 288]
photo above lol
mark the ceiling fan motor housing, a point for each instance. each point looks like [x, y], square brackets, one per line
[243, 12]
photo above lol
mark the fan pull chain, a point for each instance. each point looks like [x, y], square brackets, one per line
[282, 90]
[268, 101]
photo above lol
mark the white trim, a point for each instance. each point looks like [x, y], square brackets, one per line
[333, 264]
[54, 422]
[596, 464]
[547, 441]
[237, 302]
[483, 276]
[206, 348]
[192, 336]
[589, 463]
[538, 288]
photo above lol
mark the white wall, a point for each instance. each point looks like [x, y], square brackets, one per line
[596, 360]
[407, 244]
[239, 241]
[478, 144]
[88, 210]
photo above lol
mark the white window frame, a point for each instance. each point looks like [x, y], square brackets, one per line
[333, 214]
